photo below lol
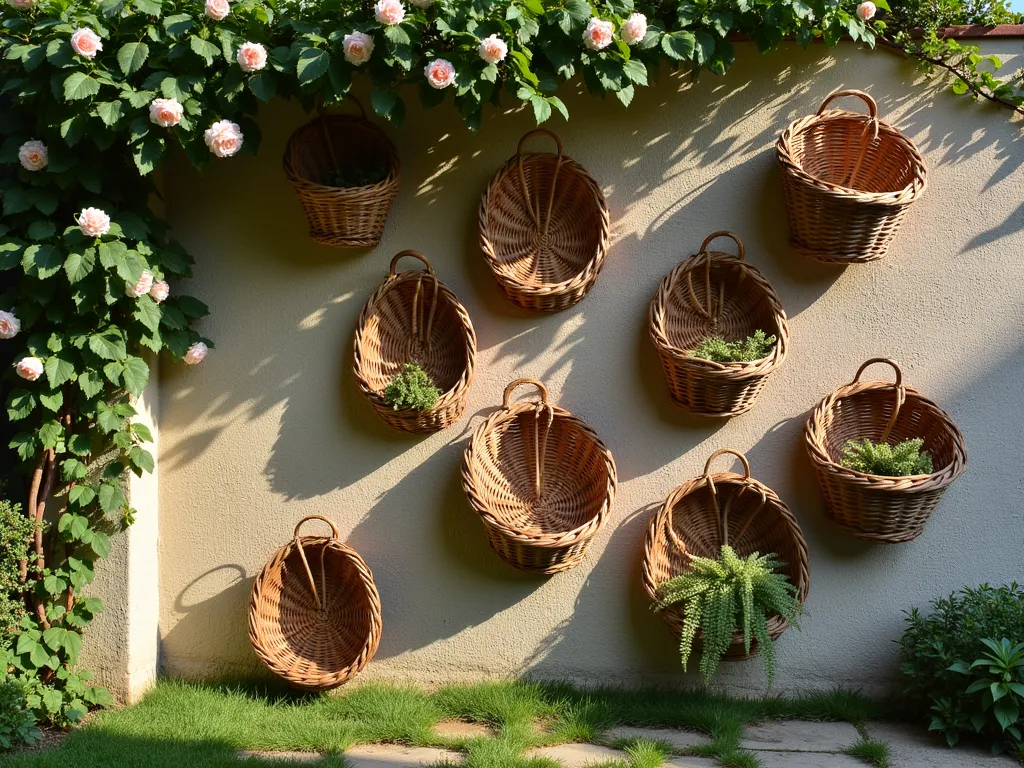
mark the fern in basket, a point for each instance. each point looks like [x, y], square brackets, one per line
[726, 594]
[886, 460]
[718, 350]
[412, 389]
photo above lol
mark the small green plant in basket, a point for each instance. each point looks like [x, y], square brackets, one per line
[365, 175]
[718, 350]
[412, 389]
[886, 460]
[727, 594]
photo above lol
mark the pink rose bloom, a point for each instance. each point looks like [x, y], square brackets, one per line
[93, 222]
[493, 49]
[160, 291]
[196, 353]
[30, 368]
[9, 325]
[422, 3]
[224, 138]
[86, 43]
[867, 10]
[252, 57]
[440, 73]
[598, 34]
[389, 11]
[218, 10]
[142, 287]
[21, 4]
[634, 29]
[166, 113]
[358, 48]
[33, 155]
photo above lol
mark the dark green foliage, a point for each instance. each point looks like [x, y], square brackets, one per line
[412, 389]
[872, 752]
[928, 14]
[723, 595]
[17, 723]
[885, 460]
[358, 175]
[15, 531]
[938, 651]
[717, 349]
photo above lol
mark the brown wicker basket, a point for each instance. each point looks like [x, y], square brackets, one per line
[414, 317]
[314, 616]
[882, 509]
[346, 217]
[542, 482]
[544, 228]
[848, 180]
[732, 300]
[700, 516]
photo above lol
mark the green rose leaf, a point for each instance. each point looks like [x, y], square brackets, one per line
[79, 85]
[79, 265]
[312, 63]
[132, 56]
[135, 375]
[111, 497]
[678, 45]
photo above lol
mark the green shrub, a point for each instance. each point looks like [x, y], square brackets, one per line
[885, 460]
[412, 389]
[939, 654]
[729, 593]
[15, 531]
[718, 350]
[17, 723]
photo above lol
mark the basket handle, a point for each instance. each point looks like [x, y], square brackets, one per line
[309, 573]
[708, 313]
[870, 128]
[541, 408]
[392, 270]
[420, 320]
[722, 452]
[506, 402]
[862, 95]
[542, 228]
[321, 108]
[901, 391]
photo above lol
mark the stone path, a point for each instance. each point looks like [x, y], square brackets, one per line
[782, 744]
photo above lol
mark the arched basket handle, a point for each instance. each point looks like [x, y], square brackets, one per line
[540, 132]
[334, 529]
[535, 206]
[901, 391]
[887, 361]
[722, 452]
[506, 402]
[321, 108]
[710, 311]
[872, 106]
[319, 596]
[392, 272]
[741, 255]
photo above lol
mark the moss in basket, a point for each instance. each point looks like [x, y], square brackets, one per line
[363, 175]
[726, 594]
[412, 390]
[886, 460]
[719, 350]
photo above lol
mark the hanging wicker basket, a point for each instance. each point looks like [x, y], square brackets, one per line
[870, 507]
[700, 516]
[541, 480]
[848, 180]
[346, 217]
[544, 228]
[314, 615]
[715, 294]
[414, 317]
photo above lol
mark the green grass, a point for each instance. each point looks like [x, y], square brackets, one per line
[182, 724]
[871, 751]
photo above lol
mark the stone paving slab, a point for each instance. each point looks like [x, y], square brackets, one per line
[809, 760]
[395, 756]
[577, 755]
[691, 762]
[799, 736]
[914, 747]
[679, 739]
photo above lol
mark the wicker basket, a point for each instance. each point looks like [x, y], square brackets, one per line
[542, 482]
[414, 317]
[346, 217]
[848, 180]
[544, 228]
[314, 616]
[732, 300]
[882, 509]
[700, 516]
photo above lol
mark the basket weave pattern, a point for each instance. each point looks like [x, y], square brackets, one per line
[544, 228]
[700, 516]
[314, 614]
[541, 481]
[715, 294]
[414, 317]
[882, 509]
[848, 180]
[346, 217]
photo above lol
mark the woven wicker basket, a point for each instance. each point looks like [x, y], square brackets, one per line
[542, 482]
[700, 516]
[414, 317]
[848, 180]
[544, 228]
[346, 217]
[882, 509]
[314, 615]
[730, 299]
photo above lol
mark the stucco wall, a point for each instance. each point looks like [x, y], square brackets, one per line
[271, 427]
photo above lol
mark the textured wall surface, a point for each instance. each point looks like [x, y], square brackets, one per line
[271, 426]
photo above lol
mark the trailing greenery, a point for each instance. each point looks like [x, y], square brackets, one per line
[949, 652]
[886, 460]
[17, 723]
[15, 532]
[412, 389]
[717, 349]
[726, 594]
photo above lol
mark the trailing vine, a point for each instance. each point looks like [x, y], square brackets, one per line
[93, 95]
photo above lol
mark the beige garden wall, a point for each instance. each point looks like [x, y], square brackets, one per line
[271, 427]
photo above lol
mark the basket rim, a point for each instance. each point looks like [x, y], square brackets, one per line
[794, 169]
[385, 185]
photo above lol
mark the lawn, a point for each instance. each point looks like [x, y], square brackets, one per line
[184, 724]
